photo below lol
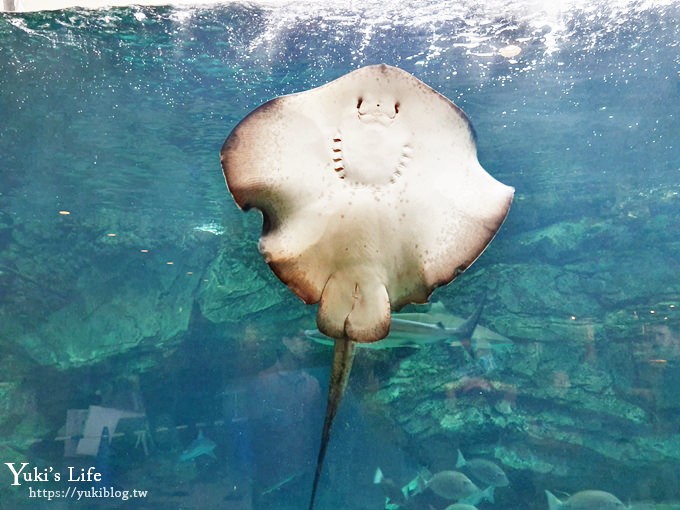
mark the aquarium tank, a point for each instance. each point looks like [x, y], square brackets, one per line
[151, 359]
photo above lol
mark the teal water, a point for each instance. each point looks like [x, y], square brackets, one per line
[130, 280]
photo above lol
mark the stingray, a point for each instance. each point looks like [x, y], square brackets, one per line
[371, 195]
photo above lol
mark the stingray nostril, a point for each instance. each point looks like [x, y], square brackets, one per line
[396, 107]
[361, 100]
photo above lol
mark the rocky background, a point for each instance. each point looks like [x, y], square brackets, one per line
[586, 389]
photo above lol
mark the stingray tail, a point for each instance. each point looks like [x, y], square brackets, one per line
[343, 355]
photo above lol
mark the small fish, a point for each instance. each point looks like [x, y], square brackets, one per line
[198, 447]
[278, 485]
[586, 500]
[483, 470]
[461, 506]
[485, 495]
[392, 492]
[454, 485]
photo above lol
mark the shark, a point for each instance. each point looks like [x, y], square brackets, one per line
[417, 329]
[200, 446]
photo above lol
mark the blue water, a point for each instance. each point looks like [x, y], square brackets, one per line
[130, 280]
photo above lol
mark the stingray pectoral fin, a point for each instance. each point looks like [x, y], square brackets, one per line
[343, 355]
[358, 311]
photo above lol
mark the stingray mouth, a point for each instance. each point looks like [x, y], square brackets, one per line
[373, 148]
